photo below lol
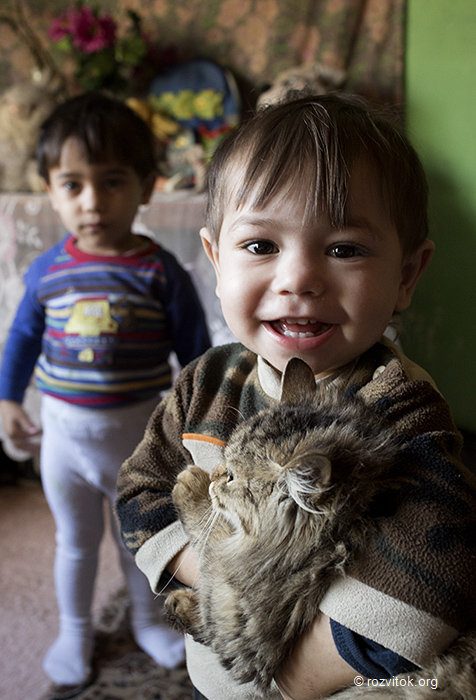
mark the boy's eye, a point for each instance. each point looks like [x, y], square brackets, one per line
[71, 185]
[345, 250]
[261, 247]
[114, 182]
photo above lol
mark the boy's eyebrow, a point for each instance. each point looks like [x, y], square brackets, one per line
[362, 222]
[253, 220]
[73, 174]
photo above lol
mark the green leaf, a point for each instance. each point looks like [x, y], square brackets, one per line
[131, 51]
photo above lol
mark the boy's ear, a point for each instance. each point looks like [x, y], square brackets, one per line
[50, 192]
[148, 187]
[412, 270]
[211, 249]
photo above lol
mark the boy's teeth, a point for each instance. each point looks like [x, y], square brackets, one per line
[294, 334]
[288, 327]
[300, 321]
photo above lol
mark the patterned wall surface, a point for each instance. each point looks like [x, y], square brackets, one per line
[257, 39]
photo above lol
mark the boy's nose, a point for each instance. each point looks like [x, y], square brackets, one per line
[90, 198]
[299, 274]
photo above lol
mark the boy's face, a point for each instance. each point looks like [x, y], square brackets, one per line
[289, 289]
[97, 202]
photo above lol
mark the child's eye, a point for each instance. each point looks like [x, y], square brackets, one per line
[345, 250]
[71, 185]
[261, 247]
[114, 182]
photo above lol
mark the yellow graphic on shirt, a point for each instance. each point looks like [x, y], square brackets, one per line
[91, 317]
[86, 355]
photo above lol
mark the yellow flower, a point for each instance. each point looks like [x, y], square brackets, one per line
[208, 104]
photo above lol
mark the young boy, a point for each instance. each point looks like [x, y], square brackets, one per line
[317, 231]
[102, 311]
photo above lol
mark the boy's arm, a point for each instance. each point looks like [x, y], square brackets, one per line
[20, 354]
[185, 315]
[23, 345]
[315, 669]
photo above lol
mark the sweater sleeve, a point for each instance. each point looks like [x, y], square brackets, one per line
[185, 315]
[410, 590]
[23, 344]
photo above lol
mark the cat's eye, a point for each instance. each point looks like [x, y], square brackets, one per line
[229, 476]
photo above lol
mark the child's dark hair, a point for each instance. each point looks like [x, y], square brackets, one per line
[310, 144]
[107, 128]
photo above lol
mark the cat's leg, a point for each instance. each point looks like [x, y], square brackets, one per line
[182, 611]
[191, 497]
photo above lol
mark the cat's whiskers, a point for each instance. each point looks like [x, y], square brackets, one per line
[298, 489]
[209, 518]
[237, 411]
[207, 528]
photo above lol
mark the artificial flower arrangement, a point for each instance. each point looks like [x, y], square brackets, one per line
[183, 103]
[104, 59]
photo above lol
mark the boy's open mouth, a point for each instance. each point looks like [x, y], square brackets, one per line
[299, 327]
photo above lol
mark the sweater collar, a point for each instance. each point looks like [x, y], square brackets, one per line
[270, 378]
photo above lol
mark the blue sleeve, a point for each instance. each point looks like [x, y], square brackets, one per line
[368, 658]
[185, 314]
[23, 344]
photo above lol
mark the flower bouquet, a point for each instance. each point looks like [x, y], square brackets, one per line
[104, 60]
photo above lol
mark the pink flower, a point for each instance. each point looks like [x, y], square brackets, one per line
[88, 31]
[91, 33]
[62, 26]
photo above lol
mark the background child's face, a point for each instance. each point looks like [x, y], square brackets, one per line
[290, 289]
[97, 202]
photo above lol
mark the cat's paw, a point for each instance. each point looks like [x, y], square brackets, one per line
[182, 610]
[192, 487]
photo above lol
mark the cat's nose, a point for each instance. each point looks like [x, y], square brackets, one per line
[217, 471]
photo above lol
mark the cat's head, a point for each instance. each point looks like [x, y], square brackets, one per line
[296, 455]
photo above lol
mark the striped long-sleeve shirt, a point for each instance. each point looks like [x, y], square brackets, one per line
[98, 330]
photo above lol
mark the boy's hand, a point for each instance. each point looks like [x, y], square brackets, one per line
[184, 567]
[22, 432]
[315, 669]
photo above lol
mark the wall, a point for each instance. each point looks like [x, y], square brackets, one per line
[441, 107]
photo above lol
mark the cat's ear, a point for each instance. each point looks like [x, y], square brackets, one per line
[306, 476]
[298, 384]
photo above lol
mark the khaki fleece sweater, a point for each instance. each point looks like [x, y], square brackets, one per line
[412, 589]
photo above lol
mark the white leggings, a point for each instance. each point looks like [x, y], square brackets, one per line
[82, 451]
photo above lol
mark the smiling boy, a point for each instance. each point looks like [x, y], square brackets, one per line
[317, 232]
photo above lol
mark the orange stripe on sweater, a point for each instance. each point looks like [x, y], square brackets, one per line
[204, 438]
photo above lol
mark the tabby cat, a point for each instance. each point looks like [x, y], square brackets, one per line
[278, 521]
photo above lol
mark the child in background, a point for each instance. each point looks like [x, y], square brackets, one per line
[102, 311]
[317, 231]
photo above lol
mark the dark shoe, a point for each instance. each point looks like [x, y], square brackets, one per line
[65, 692]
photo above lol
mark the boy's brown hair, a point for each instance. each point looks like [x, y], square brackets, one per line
[107, 128]
[311, 143]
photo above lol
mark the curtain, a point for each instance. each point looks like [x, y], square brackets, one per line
[256, 39]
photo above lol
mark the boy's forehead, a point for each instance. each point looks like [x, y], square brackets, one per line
[75, 153]
[367, 204]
